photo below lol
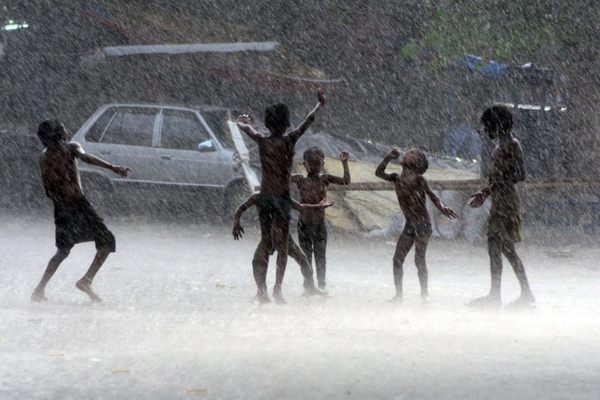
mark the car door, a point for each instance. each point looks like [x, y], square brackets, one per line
[125, 136]
[189, 154]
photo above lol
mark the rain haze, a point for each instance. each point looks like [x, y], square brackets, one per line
[127, 174]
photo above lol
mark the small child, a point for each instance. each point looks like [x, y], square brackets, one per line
[312, 232]
[293, 249]
[412, 189]
[76, 221]
[274, 201]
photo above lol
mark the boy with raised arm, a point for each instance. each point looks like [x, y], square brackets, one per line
[75, 219]
[312, 232]
[411, 190]
[504, 223]
[274, 202]
[293, 249]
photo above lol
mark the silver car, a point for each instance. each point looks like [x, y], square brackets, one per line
[176, 154]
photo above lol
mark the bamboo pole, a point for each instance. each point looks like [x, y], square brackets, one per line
[472, 185]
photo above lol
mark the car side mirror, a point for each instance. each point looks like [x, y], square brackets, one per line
[206, 146]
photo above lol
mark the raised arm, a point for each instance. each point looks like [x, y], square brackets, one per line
[78, 151]
[336, 179]
[380, 170]
[243, 123]
[238, 231]
[435, 199]
[310, 118]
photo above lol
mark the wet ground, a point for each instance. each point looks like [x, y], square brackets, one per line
[179, 322]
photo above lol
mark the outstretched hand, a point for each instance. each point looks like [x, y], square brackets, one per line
[326, 203]
[121, 171]
[448, 212]
[321, 96]
[477, 199]
[238, 231]
[344, 155]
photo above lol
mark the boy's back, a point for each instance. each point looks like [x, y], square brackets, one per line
[60, 173]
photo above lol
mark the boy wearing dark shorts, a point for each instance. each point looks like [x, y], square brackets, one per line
[75, 219]
[504, 223]
[312, 232]
[274, 202]
[411, 190]
[293, 250]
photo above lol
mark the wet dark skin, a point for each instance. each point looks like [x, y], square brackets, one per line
[276, 157]
[411, 190]
[506, 171]
[313, 187]
[60, 176]
[294, 250]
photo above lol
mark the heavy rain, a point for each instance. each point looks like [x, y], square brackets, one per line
[305, 200]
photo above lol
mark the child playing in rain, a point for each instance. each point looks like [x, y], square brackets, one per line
[75, 219]
[411, 190]
[274, 201]
[293, 249]
[312, 232]
[504, 223]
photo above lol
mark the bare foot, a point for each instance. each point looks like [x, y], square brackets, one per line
[525, 300]
[313, 291]
[38, 296]
[425, 299]
[262, 297]
[397, 299]
[278, 296]
[86, 287]
[489, 301]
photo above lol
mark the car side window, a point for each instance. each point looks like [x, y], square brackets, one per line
[97, 131]
[131, 126]
[182, 130]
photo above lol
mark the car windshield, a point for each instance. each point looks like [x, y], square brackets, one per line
[217, 121]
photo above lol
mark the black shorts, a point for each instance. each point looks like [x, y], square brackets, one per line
[77, 222]
[273, 207]
[421, 231]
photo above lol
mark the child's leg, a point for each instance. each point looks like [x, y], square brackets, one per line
[53, 264]
[297, 254]
[281, 228]
[305, 241]
[260, 261]
[403, 246]
[85, 283]
[320, 248]
[495, 253]
[508, 249]
[420, 250]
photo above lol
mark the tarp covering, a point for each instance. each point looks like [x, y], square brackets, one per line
[377, 213]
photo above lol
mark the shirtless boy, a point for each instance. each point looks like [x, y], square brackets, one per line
[75, 219]
[312, 232]
[411, 190]
[293, 249]
[274, 202]
[504, 223]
